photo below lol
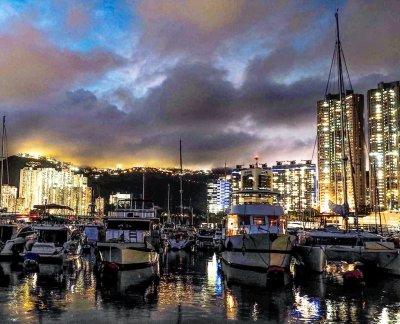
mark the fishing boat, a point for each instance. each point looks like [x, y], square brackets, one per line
[254, 230]
[132, 239]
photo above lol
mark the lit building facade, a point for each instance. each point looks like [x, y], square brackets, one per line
[114, 198]
[257, 177]
[39, 186]
[99, 205]
[384, 123]
[9, 198]
[296, 183]
[330, 167]
[219, 194]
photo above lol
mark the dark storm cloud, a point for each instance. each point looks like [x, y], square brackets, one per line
[284, 50]
[195, 103]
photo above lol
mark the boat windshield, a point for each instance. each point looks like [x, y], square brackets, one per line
[55, 236]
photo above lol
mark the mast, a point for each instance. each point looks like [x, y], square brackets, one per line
[143, 194]
[180, 179]
[169, 212]
[343, 120]
[3, 157]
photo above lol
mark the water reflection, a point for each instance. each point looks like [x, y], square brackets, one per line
[190, 287]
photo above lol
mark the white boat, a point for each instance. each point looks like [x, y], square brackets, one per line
[256, 239]
[53, 244]
[316, 248]
[16, 244]
[180, 240]
[132, 238]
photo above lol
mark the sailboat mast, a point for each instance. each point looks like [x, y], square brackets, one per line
[169, 212]
[143, 194]
[180, 179]
[2, 161]
[342, 119]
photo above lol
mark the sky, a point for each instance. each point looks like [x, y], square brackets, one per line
[101, 83]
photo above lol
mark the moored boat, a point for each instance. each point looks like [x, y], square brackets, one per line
[132, 239]
[254, 232]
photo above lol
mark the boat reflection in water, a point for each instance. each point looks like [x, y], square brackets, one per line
[191, 288]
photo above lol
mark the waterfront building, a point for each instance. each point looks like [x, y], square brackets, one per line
[257, 177]
[99, 206]
[118, 196]
[296, 183]
[330, 165]
[219, 193]
[39, 186]
[9, 198]
[384, 146]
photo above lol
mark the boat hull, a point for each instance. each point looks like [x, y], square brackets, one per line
[127, 256]
[258, 252]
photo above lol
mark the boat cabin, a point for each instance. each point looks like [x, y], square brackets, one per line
[251, 219]
[342, 238]
[125, 229]
[52, 234]
[93, 232]
[134, 208]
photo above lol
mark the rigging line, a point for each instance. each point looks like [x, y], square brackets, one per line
[330, 71]
[347, 71]
[315, 144]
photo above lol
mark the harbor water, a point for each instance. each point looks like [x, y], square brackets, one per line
[190, 288]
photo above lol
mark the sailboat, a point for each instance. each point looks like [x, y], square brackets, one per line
[180, 240]
[315, 248]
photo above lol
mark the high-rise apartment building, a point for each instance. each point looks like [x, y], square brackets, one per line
[219, 194]
[384, 145]
[330, 165]
[39, 186]
[246, 182]
[296, 183]
[9, 198]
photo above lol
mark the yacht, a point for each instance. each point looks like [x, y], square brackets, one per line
[54, 243]
[132, 238]
[254, 231]
[14, 245]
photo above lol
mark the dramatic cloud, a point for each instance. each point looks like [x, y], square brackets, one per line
[31, 67]
[123, 82]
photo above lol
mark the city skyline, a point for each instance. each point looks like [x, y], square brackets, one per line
[119, 82]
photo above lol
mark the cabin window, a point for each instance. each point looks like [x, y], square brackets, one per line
[259, 220]
[273, 221]
[129, 215]
[58, 237]
[133, 226]
[244, 220]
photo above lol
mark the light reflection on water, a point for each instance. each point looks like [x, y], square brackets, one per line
[191, 287]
